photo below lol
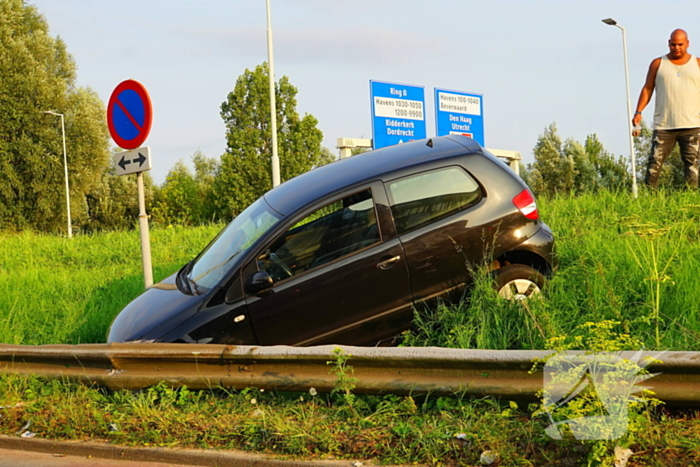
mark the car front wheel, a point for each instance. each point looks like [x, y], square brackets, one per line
[519, 282]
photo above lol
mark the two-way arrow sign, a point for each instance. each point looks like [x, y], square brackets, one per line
[136, 160]
[124, 161]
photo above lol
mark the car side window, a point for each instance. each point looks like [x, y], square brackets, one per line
[420, 199]
[332, 232]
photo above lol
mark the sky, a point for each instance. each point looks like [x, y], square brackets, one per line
[535, 62]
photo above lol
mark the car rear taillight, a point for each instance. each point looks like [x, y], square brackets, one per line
[525, 202]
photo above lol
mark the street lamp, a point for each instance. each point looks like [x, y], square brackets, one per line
[65, 167]
[273, 109]
[612, 22]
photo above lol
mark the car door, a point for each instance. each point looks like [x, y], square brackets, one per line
[434, 213]
[339, 276]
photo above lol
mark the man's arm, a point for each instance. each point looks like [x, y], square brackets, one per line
[647, 91]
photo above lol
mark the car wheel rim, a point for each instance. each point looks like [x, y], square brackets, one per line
[519, 289]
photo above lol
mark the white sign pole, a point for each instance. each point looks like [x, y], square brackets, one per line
[143, 230]
[273, 105]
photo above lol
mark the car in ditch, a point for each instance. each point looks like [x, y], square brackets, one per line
[343, 253]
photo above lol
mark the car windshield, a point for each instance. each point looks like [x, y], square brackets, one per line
[216, 260]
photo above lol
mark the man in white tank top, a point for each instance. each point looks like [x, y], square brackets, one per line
[676, 78]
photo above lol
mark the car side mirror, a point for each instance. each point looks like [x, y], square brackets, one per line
[258, 282]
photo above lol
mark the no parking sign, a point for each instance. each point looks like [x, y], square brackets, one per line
[129, 114]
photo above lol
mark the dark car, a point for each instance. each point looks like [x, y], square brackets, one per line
[341, 254]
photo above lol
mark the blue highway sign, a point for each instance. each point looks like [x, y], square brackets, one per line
[398, 113]
[459, 113]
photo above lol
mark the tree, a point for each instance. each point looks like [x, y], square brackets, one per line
[176, 202]
[185, 198]
[245, 173]
[585, 174]
[553, 171]
[612, 173]
[205, 169]
[38, 74]
[113, 204]
[572, 167]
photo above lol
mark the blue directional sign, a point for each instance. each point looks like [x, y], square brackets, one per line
[459, 113]
[398, 113]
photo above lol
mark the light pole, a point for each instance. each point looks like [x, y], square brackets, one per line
[65, 169]
[612, 22]
[273, 107]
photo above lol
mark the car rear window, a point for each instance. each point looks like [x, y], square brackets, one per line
[420, 199]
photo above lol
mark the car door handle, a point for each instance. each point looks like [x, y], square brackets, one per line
[386, 264]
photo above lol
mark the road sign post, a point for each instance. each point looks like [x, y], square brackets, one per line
[143, 230]
[460, 113]
[398, 113]
[129, 117]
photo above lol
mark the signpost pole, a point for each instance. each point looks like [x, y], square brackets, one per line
[143, 230]
[273, 107]
[65, 169]
[612, 22]
[129, 118]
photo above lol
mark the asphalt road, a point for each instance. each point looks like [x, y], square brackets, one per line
[33, 452]
[10, 458]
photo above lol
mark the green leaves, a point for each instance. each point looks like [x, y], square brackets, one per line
[38, 74]
[245, 172]
[573, 168]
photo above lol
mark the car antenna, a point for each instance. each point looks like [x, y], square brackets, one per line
[429, 143]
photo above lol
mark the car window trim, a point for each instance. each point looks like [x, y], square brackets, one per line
[392, 202]
[293, 219]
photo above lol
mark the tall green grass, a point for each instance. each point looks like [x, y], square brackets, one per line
[55, 290]
[632, 261]
[635, 261]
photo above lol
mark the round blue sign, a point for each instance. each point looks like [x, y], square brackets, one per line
[129, 114]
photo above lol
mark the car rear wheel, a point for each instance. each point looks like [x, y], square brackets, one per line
[519, 282]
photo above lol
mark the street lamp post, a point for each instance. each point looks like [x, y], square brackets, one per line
[65, 169]
[612, 22]
[273, 107]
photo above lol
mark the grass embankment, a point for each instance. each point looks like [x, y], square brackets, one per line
[633, 261]
[444, 431]
[59, 291]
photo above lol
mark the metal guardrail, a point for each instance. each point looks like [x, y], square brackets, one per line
[402, 370]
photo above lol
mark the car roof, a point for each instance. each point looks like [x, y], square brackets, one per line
[372, 165]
